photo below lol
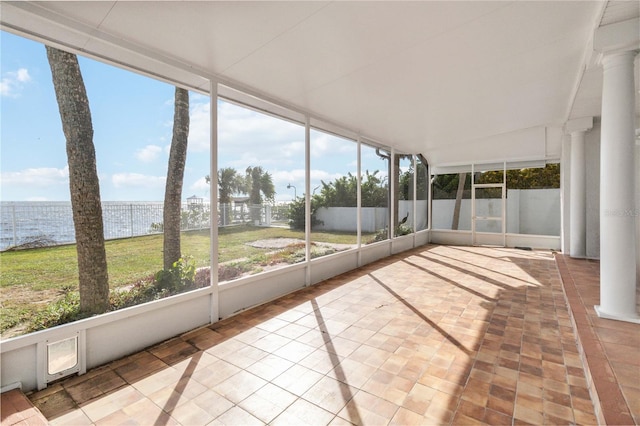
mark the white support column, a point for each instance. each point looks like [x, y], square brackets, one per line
[578, 198]
[617, 190]
[359, 198]
[307, 198]
[578, 188]
[213, 190]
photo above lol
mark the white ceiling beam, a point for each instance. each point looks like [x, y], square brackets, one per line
[579, 125]
[620, 36]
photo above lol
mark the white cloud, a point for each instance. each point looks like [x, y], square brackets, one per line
[37, 199]
[199, 125]
[149, 153]
[124, 180]
[22, 75]
[13, 81]
[296, 177]
[318, 175]
[242, 131]
[36, 177]
[200, 186]
[324, 144]
[284, 177]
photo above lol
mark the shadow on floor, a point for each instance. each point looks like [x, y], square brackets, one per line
[436, 334]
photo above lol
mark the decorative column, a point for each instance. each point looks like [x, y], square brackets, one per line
[578, 188]
[617, 190]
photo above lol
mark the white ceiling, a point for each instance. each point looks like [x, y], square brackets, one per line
[456, 81]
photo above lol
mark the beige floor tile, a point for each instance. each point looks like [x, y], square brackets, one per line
[213, 403]
[237, 416]
[437, 335]
[102, 407]
[330, 394]
[239, 386]
[268, 402]
[303, 412]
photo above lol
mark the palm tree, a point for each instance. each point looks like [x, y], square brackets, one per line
[83, 180]
[455, 221]
[175, 176]
[260, 185]
[229, 183]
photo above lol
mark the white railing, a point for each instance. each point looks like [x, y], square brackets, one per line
[51, 223]
[36, 224]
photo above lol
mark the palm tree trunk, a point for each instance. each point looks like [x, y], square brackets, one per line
[462, 178]
[175, 175]
[83, 180]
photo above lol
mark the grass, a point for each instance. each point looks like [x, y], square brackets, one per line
[32, 278]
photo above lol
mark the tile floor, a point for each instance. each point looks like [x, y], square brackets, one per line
[609, 348]
[435, 335]
[16, 409]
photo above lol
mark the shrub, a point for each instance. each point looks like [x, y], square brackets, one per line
[297, 214]
[59, 312]
[178, 278]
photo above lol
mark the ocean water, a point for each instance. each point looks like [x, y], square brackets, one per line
[22, 222]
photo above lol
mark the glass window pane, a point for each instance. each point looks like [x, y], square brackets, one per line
[261, 181]
[489, 176]
[452, 201]
[533, 200]
[375, 194]
[132, 121]
[488, 205]
[422, 193]
[334, 194]
[62, 355]
[404, 195]
[489, 202]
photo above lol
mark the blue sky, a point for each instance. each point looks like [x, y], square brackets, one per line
[132, 119]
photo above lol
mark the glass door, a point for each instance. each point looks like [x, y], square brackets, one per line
[488, 214]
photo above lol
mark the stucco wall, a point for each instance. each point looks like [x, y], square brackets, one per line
[529, 211]
[373, 218]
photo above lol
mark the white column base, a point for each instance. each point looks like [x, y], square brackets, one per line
[633, 318]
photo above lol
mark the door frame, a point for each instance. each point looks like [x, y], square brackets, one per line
[489, 238]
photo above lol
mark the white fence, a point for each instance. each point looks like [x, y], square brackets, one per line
[344, 219]
[529, 211]
[47, 223]
[51, 223]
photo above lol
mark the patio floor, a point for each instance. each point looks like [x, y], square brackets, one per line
[435, 335]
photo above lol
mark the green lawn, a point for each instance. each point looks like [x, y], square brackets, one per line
[31, 278]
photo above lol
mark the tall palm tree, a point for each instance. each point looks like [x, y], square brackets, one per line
[229, 183]
[260, 185]
[84, 184]
[175, 176]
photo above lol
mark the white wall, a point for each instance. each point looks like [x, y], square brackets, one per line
[442, 214]
[529, 211]
[373, 218]
[539, 211]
